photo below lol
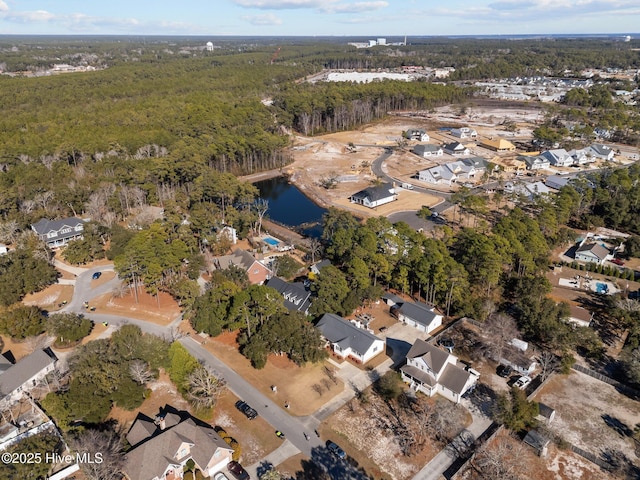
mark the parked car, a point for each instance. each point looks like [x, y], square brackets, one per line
[249, 412]
[504, 371]
[617, 261]
[220, 476]
[96, 275]
[238, 471]
[522, 382]
[336, 450]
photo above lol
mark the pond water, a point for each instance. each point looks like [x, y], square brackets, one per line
[289, 206]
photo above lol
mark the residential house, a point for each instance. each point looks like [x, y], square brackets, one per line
[464, 132]
[579, 316]
[479, 164]
[557, 182]
[582, 156]
[431, 370]
[592, 253]
[531, 191]
[25, 374]
[375, 196]
[558, 157]
[602, 152]
[428, 150]
[522, 361]
[257, 272]
[498, 145]
[511, 165]
[57, 233]
[161, 447]
[317, 267]
[456, 148]
[537, 162]
[347, 340]
[297, 298]
[392, 299]
[229, 233]
[438, 175]
[418, 315]
[416, 134]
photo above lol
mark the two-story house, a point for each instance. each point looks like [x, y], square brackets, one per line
[161, 447]
[431, 370]
[347, 340]
[57, 233]
[297, 297]
[25, 374]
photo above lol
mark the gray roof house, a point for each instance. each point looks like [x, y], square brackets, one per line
[537, 162]
[558, 157]
[416, 134]
[25, 374]
[162, 447]
[431, 370]
[557, 182]
[316, 267]
[418, 315]
[428, 150]
[374, 196]
[347, 340]
[257, 272]
[57, 233]
[296, 296]
[592, 253]
[455, 148]
[480, 164]
[598, 150]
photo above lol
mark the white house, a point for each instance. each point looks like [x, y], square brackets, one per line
[416, 134]
[163, 446]
[456, 148]
[347, 340]
[375, 196]
[57, 233]
[602, 152]
[438, 175]
[431, 370]
[25, 374]
[464, 132]
[418, 315]
[592, 253]
[579, 316]
[582, 156]
[559, 157]
[428, 150]
[537, 162]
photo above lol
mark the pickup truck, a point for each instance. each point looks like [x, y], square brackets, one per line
[249, 412]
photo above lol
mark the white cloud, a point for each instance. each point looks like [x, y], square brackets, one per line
[262, 20]
[282, 4]
[29, 17]
[357, 7]
[3, 7]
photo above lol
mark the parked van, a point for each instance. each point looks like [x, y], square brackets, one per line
[407, 186]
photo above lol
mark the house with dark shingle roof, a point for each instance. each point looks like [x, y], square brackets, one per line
[418, 315]
[297, 298]
[161, 447]
[428, 150]
[603, 152]
[25, 374]
[375, 196]
[431, 370]
[456, 148]
[347, 340]
[57, 233]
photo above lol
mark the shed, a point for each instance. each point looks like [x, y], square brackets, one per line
[538, 442]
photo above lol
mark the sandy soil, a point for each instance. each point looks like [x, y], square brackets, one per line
[581, 403]
[294, 384]
[160, 311]
[18, 349]
[50, 298]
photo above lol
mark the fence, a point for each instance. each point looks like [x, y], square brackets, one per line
[632, 392]
[591, 457]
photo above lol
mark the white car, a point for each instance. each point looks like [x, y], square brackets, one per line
[220, 476]
[522, 382]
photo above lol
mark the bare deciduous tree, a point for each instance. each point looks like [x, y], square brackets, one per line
[204, 387]
[501, 459]
[140, 372]
[260, 206]
[9, 231]
[105, 449]
[500, 330]
[548, 363]
[315, 248]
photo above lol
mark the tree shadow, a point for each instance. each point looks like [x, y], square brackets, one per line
[263, 468]
[323, 465]
[617, 425]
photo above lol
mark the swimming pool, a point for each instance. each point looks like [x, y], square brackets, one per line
[271, 241]
[602, 287]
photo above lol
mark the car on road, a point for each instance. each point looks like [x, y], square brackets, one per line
[504, 371]
[237, 471]
[522, 382]
[244, 407]
[336, 450]
[220, 476]
[96, 275]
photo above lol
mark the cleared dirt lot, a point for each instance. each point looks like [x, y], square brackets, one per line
[591, 414]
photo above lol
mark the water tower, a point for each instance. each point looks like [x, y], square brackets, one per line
[209, 47]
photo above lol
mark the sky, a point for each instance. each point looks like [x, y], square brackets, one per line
[372, 18]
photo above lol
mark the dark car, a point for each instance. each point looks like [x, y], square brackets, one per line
[504, 371]
[96, 275]
[336, 450]
[249, 412]
[237, 471]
